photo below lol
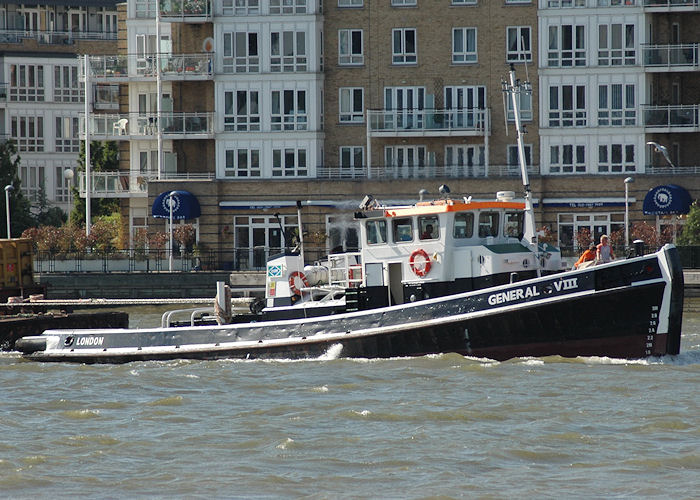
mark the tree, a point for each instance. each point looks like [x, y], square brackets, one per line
[48, 215]
[691, 229]
[104, 157]
[20, 207]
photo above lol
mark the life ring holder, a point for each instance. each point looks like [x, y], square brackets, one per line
[420, 268]
[292, 283]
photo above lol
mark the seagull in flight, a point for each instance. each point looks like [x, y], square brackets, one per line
[661, 149]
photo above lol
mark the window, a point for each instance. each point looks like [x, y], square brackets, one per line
[614, 109]
[106, 97]
[28, 133]
[26, 83]
[289, 162]
[287, 6]
[65, 86]
[513, 225]
[241, 111]
[289, 110]
[616, 45]
[566, 46]
[33, 179]
[567, 106]
[402, 229]
[464, 160]
[241, 7]
[616, 158]
[63, 185]
[525, 105]
[241, 54]
[488, 224]
[518, 44]
[464, 2]
[376, 231]
[565, 4]
[145, 9]
[350, 3]
[403, 3]
[464, 226]
[257, 237]
[350, 47]
[429, 227]
[67, 140]
[352, 105]
[242, 163]
[464, 45]
[287, 51]
[352, 160]
[514, 160]
[567, 159]
[404, 50]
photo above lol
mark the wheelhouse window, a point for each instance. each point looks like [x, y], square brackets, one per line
[429, 227]
[402, 229]
[513, 225]
[488, 224]
[376, 232]
[464, 226]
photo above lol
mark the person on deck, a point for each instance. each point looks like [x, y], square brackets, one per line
[587, 256]
[604, 251]
[428, 233]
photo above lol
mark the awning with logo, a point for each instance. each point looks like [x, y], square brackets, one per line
[667, 199]
[185, 205]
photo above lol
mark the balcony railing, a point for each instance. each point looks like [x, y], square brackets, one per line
[666, 57]
[138, 125]
[113, 184]
[54, 37]
[380, 172]
[665, 118]
[185, 10]
[428, 121]
[671, 4]
[173, 66]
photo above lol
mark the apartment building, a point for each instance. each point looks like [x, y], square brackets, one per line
[40, 94]
[250, 105]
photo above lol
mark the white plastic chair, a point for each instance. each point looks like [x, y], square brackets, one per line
[119, 127]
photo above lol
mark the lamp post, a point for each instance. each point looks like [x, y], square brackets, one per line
[628, 181]
[68, 176]
[171, 202]
[8, 188]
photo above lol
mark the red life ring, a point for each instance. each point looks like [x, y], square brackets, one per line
[292, 281]
[420, 267]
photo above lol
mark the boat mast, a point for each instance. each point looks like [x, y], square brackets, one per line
[514, 88]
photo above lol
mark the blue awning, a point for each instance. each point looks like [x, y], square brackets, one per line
[185, 206]
[667, 199]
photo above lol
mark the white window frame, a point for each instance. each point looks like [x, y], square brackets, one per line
[616, 44]
[289, 110]
[66, 87]
[525, 105]
[616, 158]
[567, 159]
[28, 132]
[288, 51]
[512, 156]
[242, 162]
[241, 7]
[462, 53]
[575, 114]
[26, 83]
[67, 134]
[400, 52]
[350, 110]
[616, 104]
[346, 4]
[575, 40]
[290, 162]
[348, 159]
[237, 56]
[242, 116]
[347, 55]
[404, 3]
[287, 7]
[521, 49]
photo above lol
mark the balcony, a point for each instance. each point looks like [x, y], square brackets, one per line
[389, 172]
[129, 185]
[130, 126]
[670, 5]
[55, 37]
[428, 122]
[122, 68]
[665, 58]
[667, 119]
[185, 11]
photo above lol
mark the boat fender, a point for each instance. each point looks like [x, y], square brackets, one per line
[419, 262]
[28, 345]
[257, 306]
[292, 281]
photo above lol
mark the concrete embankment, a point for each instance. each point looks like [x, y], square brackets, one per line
[164, 285]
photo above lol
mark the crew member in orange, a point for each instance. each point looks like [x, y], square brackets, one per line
[586, 256]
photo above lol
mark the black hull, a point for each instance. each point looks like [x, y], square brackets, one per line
[628, 310]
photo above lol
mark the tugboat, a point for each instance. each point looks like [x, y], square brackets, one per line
[449, 275]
